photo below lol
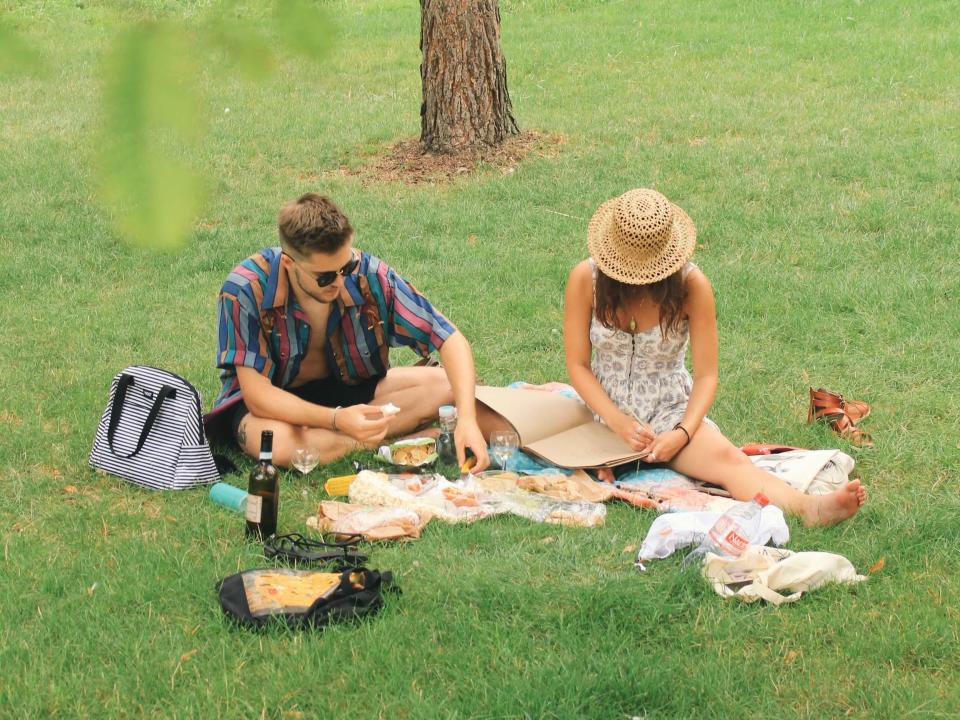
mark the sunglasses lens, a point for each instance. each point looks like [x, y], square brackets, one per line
[324, 279]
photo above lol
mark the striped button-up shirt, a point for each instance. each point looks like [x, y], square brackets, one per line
[262, 326]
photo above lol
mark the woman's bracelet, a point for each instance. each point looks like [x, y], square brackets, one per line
[333, 419]
[679, 426]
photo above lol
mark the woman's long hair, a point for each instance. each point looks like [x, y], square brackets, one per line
[669, 294]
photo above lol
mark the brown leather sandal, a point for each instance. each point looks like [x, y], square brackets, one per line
[843, 426]
[824, 402]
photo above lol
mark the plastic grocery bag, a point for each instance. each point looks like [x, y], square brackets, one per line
[426, 494]
[672, 531]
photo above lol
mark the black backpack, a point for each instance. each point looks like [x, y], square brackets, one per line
[302, 598]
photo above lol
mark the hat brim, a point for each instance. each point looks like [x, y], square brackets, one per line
[636, 271]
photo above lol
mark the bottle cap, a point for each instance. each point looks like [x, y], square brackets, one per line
[761, 499]
[448, 411]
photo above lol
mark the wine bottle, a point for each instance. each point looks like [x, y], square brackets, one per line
[264, 492]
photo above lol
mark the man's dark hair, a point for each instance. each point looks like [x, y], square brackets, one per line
[312, 223]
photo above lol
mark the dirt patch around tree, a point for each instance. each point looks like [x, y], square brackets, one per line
[405, 161]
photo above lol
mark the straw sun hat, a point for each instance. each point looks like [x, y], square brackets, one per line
[640, 237]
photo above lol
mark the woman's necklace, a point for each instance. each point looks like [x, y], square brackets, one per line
[633, 320]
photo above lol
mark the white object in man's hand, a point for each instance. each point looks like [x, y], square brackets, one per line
[389, 410]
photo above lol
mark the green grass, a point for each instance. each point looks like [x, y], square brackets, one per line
[814, 144]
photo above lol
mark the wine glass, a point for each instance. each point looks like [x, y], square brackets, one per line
[306, 459]
[502, 445]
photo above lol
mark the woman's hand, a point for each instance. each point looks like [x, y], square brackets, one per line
[665, 446]
[636, 434]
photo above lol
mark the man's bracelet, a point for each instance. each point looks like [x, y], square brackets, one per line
[679, 426]
[333, 420]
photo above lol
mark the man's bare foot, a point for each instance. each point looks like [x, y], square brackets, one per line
[837, 506]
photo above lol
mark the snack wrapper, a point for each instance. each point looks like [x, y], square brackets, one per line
[413, 452]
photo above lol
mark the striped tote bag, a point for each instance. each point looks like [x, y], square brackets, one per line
[151, 432]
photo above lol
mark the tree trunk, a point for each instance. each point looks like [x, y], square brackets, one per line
[466, 105]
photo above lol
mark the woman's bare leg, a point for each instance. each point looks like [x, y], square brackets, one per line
[712, 458]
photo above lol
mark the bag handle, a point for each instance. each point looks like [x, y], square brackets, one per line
[117, 406]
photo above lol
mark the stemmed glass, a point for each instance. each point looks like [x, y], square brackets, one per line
[306, 459]
[502, 445]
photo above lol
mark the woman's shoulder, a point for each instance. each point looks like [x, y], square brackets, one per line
[580, 283]
[693, 276]
[582, 272]
[699, 291]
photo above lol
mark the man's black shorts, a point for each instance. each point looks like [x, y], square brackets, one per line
[327, 392]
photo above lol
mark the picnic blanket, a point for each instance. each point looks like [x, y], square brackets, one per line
[814, 472]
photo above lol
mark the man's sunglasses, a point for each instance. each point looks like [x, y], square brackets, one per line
[327, 278]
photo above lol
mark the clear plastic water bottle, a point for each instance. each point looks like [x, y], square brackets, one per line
[446, 446]
[737, 528]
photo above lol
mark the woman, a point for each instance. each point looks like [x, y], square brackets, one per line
[630, 310]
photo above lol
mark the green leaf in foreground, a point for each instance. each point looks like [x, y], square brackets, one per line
[152, 123]
[304, 27]
[16, 56]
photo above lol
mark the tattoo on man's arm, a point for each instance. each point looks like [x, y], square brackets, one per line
[242, 433]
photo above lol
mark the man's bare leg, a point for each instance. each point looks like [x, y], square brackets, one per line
[286, 438]
[418, 392]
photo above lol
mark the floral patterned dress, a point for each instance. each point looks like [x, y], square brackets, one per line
[642, 372]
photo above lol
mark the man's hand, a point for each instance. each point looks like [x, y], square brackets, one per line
[365, 423]
[468, 435]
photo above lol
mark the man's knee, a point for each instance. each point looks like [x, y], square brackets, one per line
[436, 391]
[285, 438]
[438, 386]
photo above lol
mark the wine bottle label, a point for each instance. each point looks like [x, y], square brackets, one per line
[254, 508]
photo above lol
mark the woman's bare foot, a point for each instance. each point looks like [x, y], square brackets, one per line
[605, 474]
[837, 506]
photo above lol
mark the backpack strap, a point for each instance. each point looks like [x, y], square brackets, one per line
[117, 407]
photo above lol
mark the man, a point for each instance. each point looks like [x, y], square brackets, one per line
[303, 346]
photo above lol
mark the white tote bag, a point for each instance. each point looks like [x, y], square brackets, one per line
[151, 432]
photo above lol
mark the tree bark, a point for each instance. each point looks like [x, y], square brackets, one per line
[466, 105]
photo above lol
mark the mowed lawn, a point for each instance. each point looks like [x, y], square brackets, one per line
[814, 144]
